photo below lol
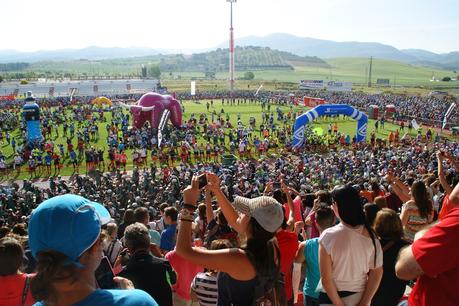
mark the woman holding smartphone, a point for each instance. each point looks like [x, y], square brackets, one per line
[240, 268]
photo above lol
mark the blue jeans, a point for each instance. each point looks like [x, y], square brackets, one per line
[310, 301]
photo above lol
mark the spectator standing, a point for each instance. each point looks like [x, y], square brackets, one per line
[204, 285]
[418, 212]
[112, 245]
[308, 253]
[168, 236]
[141, 215]
[146, 271]
[350, 256]
[15, 285]
[241, 269]
[389, 229]
[64, 236]
[434, 260]
[128, 219]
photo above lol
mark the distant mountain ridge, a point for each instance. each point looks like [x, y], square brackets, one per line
[300, 46]
[90, 53]
[306, 46]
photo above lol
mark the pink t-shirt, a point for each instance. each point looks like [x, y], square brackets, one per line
[297, 212]
[314, 230]
[186, 271]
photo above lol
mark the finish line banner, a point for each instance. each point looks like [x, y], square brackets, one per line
[339, 86]
[311, 84]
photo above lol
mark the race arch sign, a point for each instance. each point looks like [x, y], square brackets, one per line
[329, 109]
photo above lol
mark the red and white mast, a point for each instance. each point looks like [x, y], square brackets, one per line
[231, 48]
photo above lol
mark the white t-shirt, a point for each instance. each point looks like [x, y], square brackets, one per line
[352, 255]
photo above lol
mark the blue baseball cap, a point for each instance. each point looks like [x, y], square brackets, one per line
[69, 224]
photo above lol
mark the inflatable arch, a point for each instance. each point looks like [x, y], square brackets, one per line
[100, 101]
[329, 109]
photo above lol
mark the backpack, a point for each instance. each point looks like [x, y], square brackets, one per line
[270, 289]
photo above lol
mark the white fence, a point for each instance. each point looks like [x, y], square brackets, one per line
[83, 88]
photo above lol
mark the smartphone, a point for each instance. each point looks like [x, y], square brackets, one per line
[202, 181]
[104, 275]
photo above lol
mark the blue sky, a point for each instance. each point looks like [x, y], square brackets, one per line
[30, 25]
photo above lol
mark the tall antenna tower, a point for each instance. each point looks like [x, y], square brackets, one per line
[231, 48]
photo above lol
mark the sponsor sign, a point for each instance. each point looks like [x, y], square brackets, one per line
[311, 84]
[313, 102]
[385, 82]
[7, 97]
[193, 88]
[339, 86]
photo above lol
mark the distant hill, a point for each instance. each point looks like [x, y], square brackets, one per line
[89, 53]
[299, 46]
[306, 46]
[247, 58]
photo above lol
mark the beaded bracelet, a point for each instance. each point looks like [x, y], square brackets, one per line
[185, 213]
[189, 207]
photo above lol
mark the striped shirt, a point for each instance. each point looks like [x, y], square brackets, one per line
[204, 285]
[415, 221]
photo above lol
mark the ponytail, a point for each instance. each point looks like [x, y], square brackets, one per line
[373, 238]
[52, 267]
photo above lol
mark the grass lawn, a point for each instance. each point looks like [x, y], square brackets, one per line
[348, 126]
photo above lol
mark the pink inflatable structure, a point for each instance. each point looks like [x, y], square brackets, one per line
[151, 107]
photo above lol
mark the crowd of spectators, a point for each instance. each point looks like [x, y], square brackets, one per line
[377, 183]
[365, 219]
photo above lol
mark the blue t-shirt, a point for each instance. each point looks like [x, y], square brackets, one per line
[168, 238]
[73, 155]
[155, 237]
[311, 254]
[114, 298]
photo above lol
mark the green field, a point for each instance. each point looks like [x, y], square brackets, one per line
[341, 69]
[345, 69]
[404, 78]
[347, 126]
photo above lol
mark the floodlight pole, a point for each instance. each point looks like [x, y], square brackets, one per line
[231, 48]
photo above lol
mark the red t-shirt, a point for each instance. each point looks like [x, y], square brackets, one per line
[437, 252]
[13, 290]
[288, 245]
[446, 207]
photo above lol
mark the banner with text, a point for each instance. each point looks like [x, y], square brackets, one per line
[311, 84]
[339, 86]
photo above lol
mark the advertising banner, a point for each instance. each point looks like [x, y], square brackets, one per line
[7, 97]
[339, 86]
[311, 84]
[193, 88]
[385, 82]
[313, 102]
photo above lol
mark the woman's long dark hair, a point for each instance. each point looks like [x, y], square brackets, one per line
[421, 198]
[260, 249]
[351, 211]
[52, 267]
